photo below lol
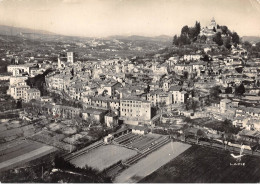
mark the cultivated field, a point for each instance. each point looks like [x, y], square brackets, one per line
[21, 153]
[207, 165]
[12, 130]
[104, 156]
[52, 139]
[151, 163]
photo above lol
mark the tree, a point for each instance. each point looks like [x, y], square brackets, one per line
[12, 61]
[228, 90]
[206, 58]
[175, 40]
[105, 92]
[199, 134]
[214, 92]
[224, 29]
[192, 104]
[197, 28]
[193, 34]
[229, 128]
[161, 105]
[195, 105]
[19, 104]
[239, 69]
[235, 38]
[203, 38]
[185, 74]
[185, 132]
[240, 90]
[218, 39]
[254, 145]
[247, 45]
[228, 43]
[185, 30]
[184, 40]
[72, 72]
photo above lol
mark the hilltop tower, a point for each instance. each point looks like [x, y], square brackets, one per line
[70, 57]
[213, 24]
[59, 62]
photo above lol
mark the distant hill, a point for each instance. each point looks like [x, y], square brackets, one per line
[14, 31]
[25, 33]
[140, 38]
[252, 39]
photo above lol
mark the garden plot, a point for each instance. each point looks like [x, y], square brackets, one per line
[52, 139]
[56, 126]
[69, 130]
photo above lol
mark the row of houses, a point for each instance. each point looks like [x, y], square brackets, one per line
[30, 69]
[20, 90]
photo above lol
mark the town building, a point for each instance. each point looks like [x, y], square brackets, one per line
[135, 110]
[31, 94]
[178, 95]
[18, 90]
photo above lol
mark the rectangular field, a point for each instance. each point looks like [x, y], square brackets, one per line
[103, 157]
[207, 165]
[151, 163]
[26, 151]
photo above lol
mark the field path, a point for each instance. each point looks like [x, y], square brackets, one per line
[26, 157]
[151, 163]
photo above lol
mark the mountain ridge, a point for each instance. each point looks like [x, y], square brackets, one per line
[14, 31]
[253, 39]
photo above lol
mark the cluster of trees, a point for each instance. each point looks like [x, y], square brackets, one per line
[232, 38]
[225, 128]
[3, 66]
[191, 34]
[240, 90]
[39, 82]
[192, 104]
[214, 93]
[188, 35]
[254, 50]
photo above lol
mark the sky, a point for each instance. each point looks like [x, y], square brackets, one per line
[101, 18]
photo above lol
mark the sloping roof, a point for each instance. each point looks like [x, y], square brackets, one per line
[111, 114]
[140, 128]
[198, 63]
[250, 133]
[33, 90]
[94, 111]
[226, 100]
[175, 88]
